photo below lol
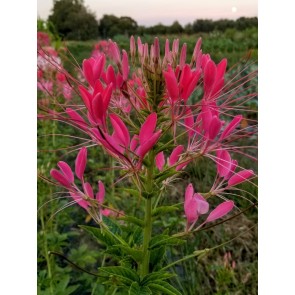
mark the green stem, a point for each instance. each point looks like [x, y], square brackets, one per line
[147, 233]
[200, 252]
[47, 258]
[147, 237]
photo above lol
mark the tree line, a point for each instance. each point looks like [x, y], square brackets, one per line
[73, 21]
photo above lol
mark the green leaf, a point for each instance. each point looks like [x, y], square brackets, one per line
[100, 235]
[156, 276]
[157, 256]
[163, 210]
[164, 175]
[164, 240]
[133, 192]
[136, 237]
[112, 225]
[135, 289]
[126, 275]
[133, 220]
[137, 255]
[164, 287]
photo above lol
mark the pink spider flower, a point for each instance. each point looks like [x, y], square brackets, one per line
[173, 160]
[97, 102]
[65, 177]
[186, 85]
[119, 143]
[92, 68]
[196, 205]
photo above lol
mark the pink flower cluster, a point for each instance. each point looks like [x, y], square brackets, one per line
[131, 114]
[85, 197]
[52, 77]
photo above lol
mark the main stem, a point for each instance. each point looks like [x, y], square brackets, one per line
[147, 233]
[147, 237]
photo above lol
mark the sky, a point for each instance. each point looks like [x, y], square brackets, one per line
[152, 12]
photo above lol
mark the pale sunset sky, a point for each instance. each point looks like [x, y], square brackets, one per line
[152, 12]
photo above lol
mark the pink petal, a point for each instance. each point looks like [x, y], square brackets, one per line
[231, 126]
[191, 210]
[214, 128]
[107, 93]
[171, 84]
[209, 76]
[148, 145]
[125, 65]
[175, 46]
[206, 115]
[174, 157]
[66, 170]
[224, 163]
[98, 67]
[203, 205]
[189, 122]
[240, 177]
[79, 200]
[160, 160]
[120, 129]
[147, 128]
[221, 68]
[80, 162]
[134, 142]
[114, 52]
[111, 76]
[221, 210]
[139, 46]
[101, 193]
[182, 56]
[156, 48]
[88, 190]
[132, 46]
[97, 108]
[192, 85]
[86, 96]
[197, 49]
[76, 118]
[233, 167]
[87, 70]
[60, 178]
[189, 192]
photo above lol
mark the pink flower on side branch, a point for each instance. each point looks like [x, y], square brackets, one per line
[195, 205]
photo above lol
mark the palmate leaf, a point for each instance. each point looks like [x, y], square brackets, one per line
[133, 192]
[157, 257]
[137, 255]
[113, 226]
[164, 240]
[100, 235]
[125, 275]
[133, 220]
[156, 276]
[163, 287]
[135, 289]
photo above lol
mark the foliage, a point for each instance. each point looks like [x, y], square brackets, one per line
[73, 21]
[110, 26]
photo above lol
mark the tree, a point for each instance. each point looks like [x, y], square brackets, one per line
[73, 21]
[110, 25]
[203, 25]
[175, 28]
